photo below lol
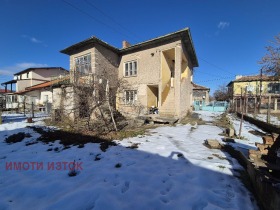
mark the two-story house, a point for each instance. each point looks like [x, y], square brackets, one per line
[28, 78]
[157, 72]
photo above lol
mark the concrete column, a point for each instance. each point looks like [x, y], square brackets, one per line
[177, 79]
[275, 104]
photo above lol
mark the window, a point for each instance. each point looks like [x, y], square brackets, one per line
[11, 99]
[46, 98]
[83, 64]
[273, 88]
[130, 96]
[130, 69]
[27, 75]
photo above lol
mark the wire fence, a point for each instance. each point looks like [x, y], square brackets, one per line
[28, 108]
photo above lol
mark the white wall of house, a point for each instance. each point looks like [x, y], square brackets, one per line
[11, 101]
[46, 97]
[46, 74]
[36, 77]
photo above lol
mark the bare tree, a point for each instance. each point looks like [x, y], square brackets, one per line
[271, 61]
[221, 94]
[91, 99]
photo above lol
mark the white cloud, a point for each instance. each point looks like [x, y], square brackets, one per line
[222, 25]
[31, 39]
[10, 70]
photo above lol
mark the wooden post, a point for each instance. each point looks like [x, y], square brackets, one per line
[0, 115]
[246, 101]
[32, 109]
[275, 104]
[241, 103]
[236, 105]
[24, 108]
[241, 120]
[268, 109]
[255, 107]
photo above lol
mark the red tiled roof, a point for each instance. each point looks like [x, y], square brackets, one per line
[42, 85]
[3, 91]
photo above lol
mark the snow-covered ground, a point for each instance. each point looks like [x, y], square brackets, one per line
[263, 117]
[153, 176]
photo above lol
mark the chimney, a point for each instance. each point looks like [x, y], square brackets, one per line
[125, 44]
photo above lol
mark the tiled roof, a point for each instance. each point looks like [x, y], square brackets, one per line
[199, 87]
[42, 85]
[183, 34]
[4, 91]
[92, 39]
[255, 78]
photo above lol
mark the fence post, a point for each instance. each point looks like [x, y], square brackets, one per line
[24, 108]
[32, 109]
[268, 109]
[241, 120]
[246, 102]
[241, 103]
[255, 107]
[236, 105]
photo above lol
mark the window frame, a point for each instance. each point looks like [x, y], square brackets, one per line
[130, 68]
[130, 97]
[83, 64]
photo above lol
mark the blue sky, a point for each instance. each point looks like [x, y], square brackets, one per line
[229, 35]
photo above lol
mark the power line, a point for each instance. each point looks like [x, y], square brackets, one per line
[218, 79]
[210, 74]
[112, 19]
[216, 66]
[92, 17]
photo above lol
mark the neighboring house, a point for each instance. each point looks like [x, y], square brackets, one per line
[200, 94]
[29, 78]
[256, 85]
[157, 72]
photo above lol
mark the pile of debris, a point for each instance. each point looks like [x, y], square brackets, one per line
[267, 153]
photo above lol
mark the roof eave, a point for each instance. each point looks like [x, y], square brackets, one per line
[180, 34]
[92, 40]
[34, 68]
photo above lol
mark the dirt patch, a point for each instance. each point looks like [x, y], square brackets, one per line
[193, 119]
[133, 146]
[223, 121]
[18, 137]
[71, 138]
